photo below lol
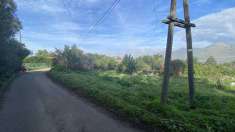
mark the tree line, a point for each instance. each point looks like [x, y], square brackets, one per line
[73, 58]
[12, 52]
[41, 56]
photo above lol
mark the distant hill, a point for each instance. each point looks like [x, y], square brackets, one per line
[221, 52]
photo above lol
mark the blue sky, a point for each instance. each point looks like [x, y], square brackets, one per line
[134, 26]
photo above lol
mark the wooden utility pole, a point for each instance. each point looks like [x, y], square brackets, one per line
[173, 21]
[189, 53]
[168, 53]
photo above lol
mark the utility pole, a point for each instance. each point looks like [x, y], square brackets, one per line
[189, 53]
[168, 53]
[186, 24]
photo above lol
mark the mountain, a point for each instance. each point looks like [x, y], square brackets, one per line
[221, 52]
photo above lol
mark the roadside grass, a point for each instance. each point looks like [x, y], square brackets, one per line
[137, 98]
[36, 66]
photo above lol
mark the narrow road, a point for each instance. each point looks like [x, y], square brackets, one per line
[35, 104]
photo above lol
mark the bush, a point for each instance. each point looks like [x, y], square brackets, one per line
[177, 67]
[211, 61]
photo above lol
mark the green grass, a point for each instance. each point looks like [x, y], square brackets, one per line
[36, 66]
[137, 98]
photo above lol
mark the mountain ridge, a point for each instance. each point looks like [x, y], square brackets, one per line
[223, 53]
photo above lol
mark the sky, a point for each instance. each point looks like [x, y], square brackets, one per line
[132, 27]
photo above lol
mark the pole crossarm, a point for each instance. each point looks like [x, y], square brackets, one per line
[178, 22]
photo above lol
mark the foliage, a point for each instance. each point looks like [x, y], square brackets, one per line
[41, 59]
[219, 84]
[75, 59]
[12, 52]
[104, 62]
[137, 98]
[177, 67]
[72, 58]
[9, 24]
[211, 61]
[149, 63]
[128, 64]
[43, 53]
[36, 66]
[213, 71]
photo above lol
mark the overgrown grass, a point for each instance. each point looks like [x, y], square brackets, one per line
[136, 98]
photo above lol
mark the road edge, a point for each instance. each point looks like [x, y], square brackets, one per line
[6, 86]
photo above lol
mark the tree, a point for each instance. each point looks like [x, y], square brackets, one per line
[9, 24]
[73, 58]
[43, 53]
[145, 63]
[129, 64]
[211, 61]
[70, 57]
[142, 66]
[88, 62]
[40, 57]
[103, 62]
[149, 63]
[12, 52]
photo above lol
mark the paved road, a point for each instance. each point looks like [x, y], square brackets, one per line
[36, 104]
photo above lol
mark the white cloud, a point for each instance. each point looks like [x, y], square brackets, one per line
[66, 26]
[41, 6]
[212, 28]
[200, 2]
[50, 8]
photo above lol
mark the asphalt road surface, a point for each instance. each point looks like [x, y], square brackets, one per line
[35, 104]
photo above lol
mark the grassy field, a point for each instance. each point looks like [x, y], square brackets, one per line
[137, 98]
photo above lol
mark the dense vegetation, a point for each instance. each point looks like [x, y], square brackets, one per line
[12, 52]
[134, 94]
[72, 58]
[40, 60]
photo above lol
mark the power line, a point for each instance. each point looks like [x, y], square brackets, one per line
[67, 9]
[67, 6]
[101, 19]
